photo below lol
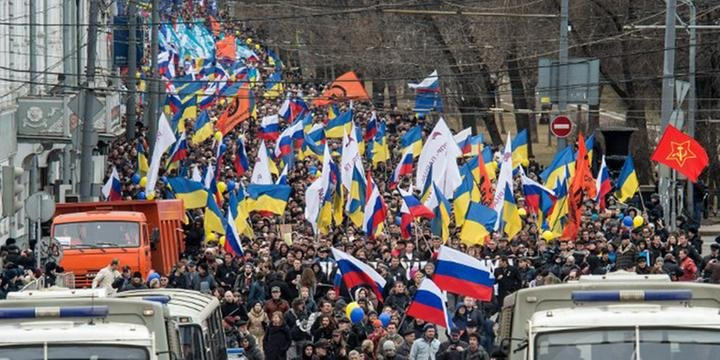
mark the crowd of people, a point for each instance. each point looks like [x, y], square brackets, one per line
[281, 300]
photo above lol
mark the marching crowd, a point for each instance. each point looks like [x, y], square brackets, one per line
[281, 300]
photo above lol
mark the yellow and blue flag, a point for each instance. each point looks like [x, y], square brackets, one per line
[339, 125]
[273, 85]
[142, 159]
[269, 198]
[512, 223]
[520, 149]
[479, 222]
[627, 183]
[380, 151]
[440, 224]
[356, 199]
[214, 220]
[413, 138]
[192, 193]
[555, 172]
[466, 193]
[559, 210]
[203, 128]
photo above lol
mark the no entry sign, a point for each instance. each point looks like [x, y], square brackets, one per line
[561, 126]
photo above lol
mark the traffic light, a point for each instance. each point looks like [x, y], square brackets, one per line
[12, 189]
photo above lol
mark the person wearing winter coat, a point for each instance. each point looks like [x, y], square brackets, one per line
[257, 321]
[474, 351]
[277, 338]
[252, 352]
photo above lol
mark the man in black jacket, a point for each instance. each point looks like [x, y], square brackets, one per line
[508, 279]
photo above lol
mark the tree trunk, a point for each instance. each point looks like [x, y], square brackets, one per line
[593, 119]
[378, 93]
[471, 102]
[517, 90]
[639, 146]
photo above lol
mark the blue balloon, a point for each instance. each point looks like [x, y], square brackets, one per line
[136, 179]
[385, 319]
[628, 221]
[230, 185]
[594, 217]
[141, 196]
[357, 315]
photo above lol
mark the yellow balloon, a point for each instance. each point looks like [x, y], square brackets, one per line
[548, 235]
[638, 221]
[143, 181]
[522, 212]
[222, 187]
[218, 135]
[222, 241]
[150, 196]
[350, 307]
[210, 237]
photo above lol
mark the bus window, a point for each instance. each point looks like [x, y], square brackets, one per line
[191, 342]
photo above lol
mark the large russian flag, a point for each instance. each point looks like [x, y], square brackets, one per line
[429, 304]
[533, 190]
[463, 274]
[356, 273]
[603, 184]
[270, 127]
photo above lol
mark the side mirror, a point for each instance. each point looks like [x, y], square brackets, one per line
[154, 238]
[504, 349]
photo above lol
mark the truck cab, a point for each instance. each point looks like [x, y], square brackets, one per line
[615, 316]
[91, 239]
[142, 234]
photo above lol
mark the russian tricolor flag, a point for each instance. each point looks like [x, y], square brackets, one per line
[371, 129]
[533, 190]
[414, 206]
[463, 274]
[356, 273]
[429, 304]
[375, 210]
[180, 151]
[270, 127]
[112, 190]
[603, 184]
[405, 167]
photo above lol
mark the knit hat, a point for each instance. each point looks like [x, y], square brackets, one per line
[388, 345]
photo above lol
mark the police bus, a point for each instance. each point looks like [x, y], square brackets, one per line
[620, 315]
[73, 324]
[199, 318]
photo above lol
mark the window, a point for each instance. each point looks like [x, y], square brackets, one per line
[98, 234]
[191, 342]
[614, 344]
[73, 352]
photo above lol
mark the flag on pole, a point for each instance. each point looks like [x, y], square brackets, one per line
[681, 152]
[430, 304]
[112, 190]
[163, 141]
[355, 273]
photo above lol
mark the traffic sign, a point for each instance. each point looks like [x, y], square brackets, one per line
[40, 206]
[561, 126]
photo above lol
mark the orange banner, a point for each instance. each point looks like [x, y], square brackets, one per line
[345, 87]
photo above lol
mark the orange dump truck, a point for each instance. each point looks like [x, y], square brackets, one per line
[141, 234]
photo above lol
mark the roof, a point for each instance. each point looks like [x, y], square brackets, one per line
[88, 216]
[58, 293]
[649, 315]
[74, 332]
[183, 303]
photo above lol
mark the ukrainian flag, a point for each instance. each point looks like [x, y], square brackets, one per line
[333, 111]
[337, 199]
[142, 160]
[311, 148]
[339, 125]
[511, 216]
[241, 214]
[192, 193]
[479, 222]
[555, 172]
[589, 145]
[273, 85]
[357, 196]
[271, 198]
[560, 208]
[427, 189]
[380, 150]
[440, 224]
[214, 221]
[627, 183]
[520, 149]
[203, 128]
[466, 193]
[317, 134]
[473, 167]
[413, 137]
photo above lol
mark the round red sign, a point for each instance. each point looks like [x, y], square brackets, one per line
[561, 126]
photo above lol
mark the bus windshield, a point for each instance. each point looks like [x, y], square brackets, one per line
[74, 352]
[623, 343]
[98, 234]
